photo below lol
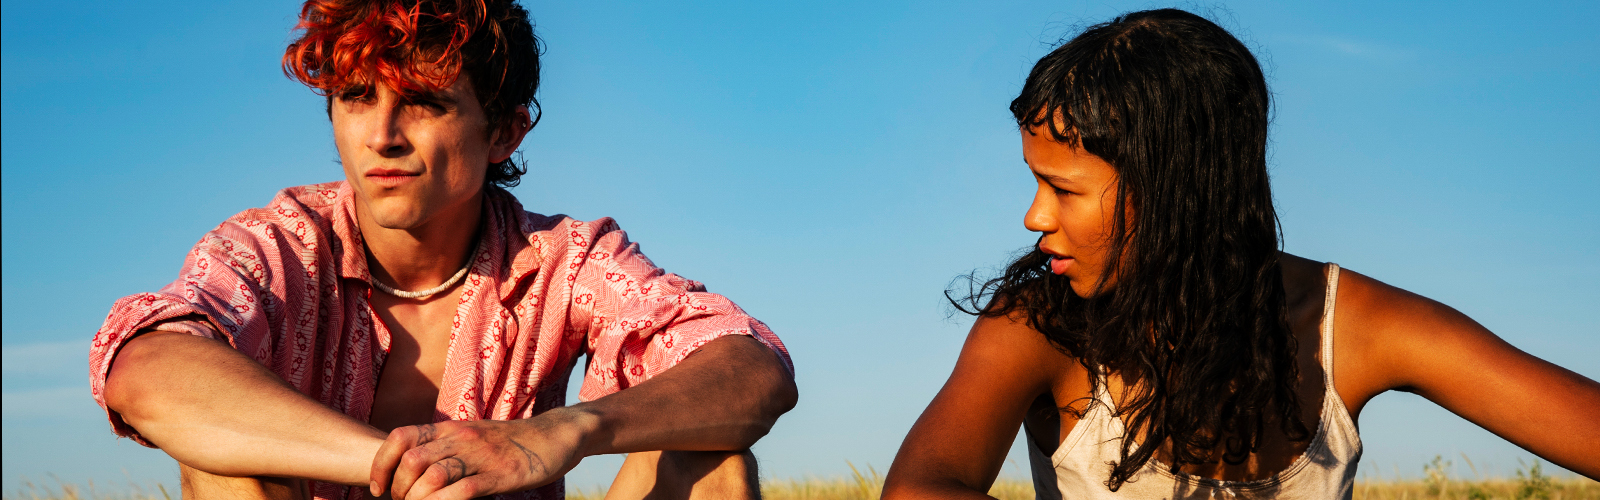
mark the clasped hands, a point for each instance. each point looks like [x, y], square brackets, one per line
[460, 460]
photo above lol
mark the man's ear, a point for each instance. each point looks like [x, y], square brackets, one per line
[508, 134]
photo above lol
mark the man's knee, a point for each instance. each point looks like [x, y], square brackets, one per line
[691, 475]
[201, 485]
[716, 474]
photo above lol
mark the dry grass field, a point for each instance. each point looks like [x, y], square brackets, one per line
[1529, 484]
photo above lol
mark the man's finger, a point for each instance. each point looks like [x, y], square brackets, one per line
[441, 474]
[468, 488]
[394, 447]
[416, 464]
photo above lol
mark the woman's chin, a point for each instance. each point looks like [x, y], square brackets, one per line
[1085, 288]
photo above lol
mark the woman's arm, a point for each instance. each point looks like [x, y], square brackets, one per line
[957, 446]
[1391, 339]
[216, 410]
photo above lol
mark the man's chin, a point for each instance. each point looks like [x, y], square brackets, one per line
[399, 225]
[395, 214]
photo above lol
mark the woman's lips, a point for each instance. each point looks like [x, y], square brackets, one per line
[1059, 265]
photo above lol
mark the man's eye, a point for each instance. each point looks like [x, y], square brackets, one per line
[428, 104]
[357, 95]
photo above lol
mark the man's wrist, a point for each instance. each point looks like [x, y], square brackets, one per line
[589, 426]
[358, 467]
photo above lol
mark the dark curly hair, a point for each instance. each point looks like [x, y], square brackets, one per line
[414, 46]
[1194, 321]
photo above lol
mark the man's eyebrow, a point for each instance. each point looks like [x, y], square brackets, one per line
[435, 96]
[354, 89]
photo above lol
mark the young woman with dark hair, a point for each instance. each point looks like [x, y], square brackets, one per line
[1157, 344]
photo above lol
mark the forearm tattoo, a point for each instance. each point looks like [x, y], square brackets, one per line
[536, 464]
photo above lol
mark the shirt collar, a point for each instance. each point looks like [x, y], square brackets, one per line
[511, 237]
[353, 260]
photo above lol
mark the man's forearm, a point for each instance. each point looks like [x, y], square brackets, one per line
[725, 396]
[215, 409]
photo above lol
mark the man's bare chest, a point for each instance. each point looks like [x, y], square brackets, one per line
[419, 342]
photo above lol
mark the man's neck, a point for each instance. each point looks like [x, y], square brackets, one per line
[422, 257]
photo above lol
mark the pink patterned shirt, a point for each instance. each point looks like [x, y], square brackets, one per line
[288, 285]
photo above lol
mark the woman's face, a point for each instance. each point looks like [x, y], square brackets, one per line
[1073, 206]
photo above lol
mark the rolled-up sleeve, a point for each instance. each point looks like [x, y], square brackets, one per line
[226, 290]
[641, 320]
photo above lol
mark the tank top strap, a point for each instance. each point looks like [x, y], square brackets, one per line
[1325, 470]
[1328, 304]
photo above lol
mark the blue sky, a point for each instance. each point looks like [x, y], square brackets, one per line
[830, 166]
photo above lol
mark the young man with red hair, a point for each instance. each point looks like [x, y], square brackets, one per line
[409, 332]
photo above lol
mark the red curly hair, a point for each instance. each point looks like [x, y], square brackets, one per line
[418, 46]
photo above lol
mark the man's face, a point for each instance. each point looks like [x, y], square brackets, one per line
[413, 159]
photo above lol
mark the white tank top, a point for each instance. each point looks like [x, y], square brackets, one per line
[1082, 463]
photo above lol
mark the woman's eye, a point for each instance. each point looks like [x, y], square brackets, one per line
[1053, 187]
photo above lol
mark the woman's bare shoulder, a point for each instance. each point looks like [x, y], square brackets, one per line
[1376, 326]
[1368, 313]
[960, 441]
[1008, 342]
[1381, 328]
[1387, 338]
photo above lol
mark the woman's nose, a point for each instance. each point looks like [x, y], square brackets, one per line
[1040, 216]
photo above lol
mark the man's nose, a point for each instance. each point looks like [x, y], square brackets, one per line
[387, 136]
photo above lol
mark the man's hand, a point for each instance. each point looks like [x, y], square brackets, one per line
[463, 460]
[723, 397]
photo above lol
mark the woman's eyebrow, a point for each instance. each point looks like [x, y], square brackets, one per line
[1053, 178]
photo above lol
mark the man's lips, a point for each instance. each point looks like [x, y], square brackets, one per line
[390, 177]
[391, 172]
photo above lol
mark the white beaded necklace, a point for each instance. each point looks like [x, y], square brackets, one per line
[431, 291]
